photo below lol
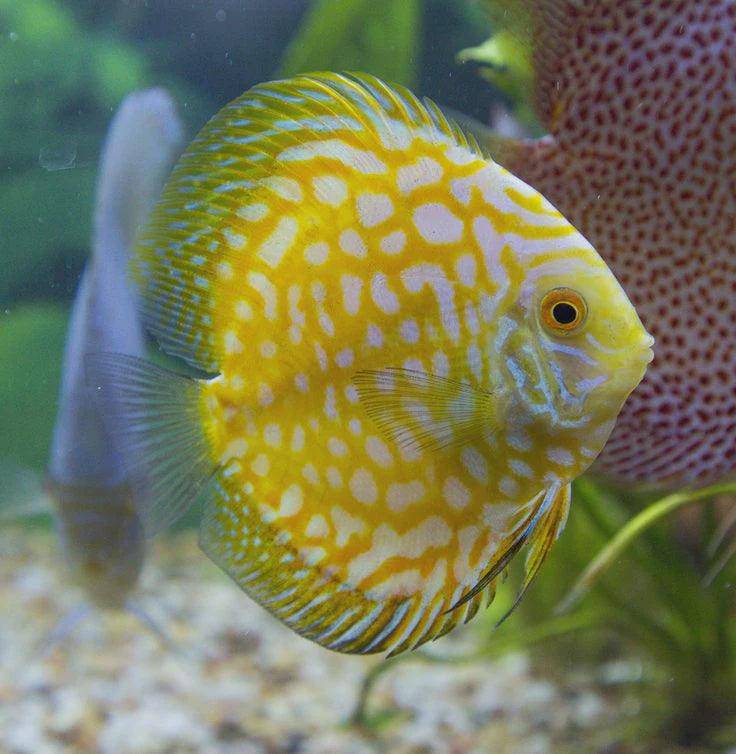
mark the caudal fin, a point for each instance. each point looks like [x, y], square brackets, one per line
[156, 414]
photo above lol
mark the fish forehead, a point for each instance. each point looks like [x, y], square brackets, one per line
[642, 162]
[330, 270]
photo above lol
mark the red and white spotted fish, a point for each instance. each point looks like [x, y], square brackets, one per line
[639, 98]
[97, 520]
[411, 355]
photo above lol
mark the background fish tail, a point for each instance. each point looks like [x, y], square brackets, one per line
[144, 139]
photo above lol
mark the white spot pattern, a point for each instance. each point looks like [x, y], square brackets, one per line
[374, 209]
[330, 190]
[437, 224]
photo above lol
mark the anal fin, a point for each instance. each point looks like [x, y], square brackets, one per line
[548, 529]
[540, 527]
[308, 599]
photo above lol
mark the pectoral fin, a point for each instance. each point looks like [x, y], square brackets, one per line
[425, 411]
[156, 415]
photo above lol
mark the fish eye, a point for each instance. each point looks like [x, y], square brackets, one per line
[563, 311]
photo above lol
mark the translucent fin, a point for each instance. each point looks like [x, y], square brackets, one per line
[345, 118]
[62, 630]
[309, 600]
[546, 534]
[150, 623]
[160, 427]
[140, 147]
[422, 410]
[534, 512]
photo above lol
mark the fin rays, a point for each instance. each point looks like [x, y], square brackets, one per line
[422, 410]
[161, 431]
[309, 601]
[541, 527]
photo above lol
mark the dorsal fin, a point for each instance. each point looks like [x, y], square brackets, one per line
[259, 136]
[547, 29]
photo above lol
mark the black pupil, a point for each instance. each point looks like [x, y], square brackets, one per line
[564, 314]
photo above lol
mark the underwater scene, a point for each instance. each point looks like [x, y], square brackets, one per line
[368, 376]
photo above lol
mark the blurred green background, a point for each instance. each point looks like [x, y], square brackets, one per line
[65, 65]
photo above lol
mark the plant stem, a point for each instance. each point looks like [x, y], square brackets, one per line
[555, 627]
[630, 532]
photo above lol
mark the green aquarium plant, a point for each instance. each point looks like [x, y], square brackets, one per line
[669, 607]
[31, 346]
[380, 36]
[505, 63]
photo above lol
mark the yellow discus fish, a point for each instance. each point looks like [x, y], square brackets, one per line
[407, 354]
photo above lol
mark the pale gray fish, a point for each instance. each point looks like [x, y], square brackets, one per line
[95, 503]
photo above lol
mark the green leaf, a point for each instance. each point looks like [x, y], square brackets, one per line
[117, 69]
[628, 533]
[377, 36]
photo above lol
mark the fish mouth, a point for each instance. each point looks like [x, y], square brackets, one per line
[647, 352]
[626, 378]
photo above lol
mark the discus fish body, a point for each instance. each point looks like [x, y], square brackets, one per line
[413, 354]
[639, 99]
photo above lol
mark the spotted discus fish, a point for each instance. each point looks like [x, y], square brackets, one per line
[639, 97]
[410, 354]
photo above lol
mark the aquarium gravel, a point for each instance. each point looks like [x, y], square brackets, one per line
[238, 682]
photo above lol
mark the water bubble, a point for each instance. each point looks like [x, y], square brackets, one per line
[221, 15]
[13, 36]
[58, 157]
[192, 36]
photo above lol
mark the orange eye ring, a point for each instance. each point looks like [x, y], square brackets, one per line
[563, 311]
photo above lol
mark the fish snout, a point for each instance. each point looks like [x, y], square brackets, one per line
[647, 349]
